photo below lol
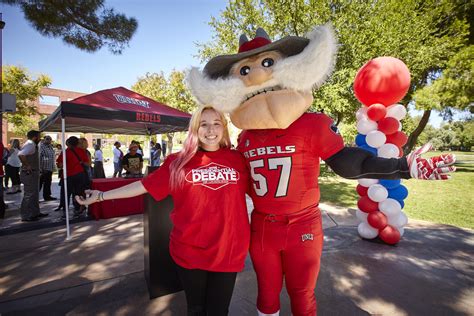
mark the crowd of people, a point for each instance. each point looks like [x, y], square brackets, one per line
[34, 163]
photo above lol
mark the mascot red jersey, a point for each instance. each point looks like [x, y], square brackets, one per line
[267, 88]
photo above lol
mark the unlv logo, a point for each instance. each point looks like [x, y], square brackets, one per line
[305, 237]
[213, 176]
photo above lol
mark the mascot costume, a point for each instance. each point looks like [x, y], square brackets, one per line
[267, 88]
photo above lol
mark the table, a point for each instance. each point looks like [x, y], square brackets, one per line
[115, 208]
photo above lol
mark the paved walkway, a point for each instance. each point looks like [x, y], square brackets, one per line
[100, 271]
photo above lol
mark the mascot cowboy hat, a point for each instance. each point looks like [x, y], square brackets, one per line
[303, 63]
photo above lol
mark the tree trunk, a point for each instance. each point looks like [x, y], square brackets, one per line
[414, 135]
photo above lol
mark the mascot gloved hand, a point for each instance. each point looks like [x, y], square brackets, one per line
[266, 87]
[434, 168]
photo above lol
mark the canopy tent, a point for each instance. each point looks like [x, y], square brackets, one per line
[116, 111]
[112, 111]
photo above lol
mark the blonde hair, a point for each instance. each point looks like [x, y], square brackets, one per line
[191, 145]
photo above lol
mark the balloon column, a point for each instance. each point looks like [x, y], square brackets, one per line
[378, 85]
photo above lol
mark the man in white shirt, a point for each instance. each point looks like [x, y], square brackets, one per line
[29, 176]
[118, 155]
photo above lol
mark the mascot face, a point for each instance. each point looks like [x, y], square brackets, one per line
[267, 84]
[270, 107]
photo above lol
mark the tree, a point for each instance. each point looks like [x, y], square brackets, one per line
[431, 37]
[85, 24]
[171, 91]
[17, 81]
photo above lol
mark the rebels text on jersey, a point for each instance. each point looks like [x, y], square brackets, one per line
[284, 163]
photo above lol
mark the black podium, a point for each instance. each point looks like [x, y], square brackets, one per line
[160, 271]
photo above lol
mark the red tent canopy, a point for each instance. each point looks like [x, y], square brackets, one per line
[116, 111]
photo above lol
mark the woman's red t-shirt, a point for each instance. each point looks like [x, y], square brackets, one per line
[73, 164]
[211, 225]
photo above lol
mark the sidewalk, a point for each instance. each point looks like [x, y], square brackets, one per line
[100, 271]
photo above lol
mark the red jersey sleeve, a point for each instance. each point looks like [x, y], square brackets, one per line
[157, 183]
[326, 140]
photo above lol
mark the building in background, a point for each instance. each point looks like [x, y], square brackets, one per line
[46, 104]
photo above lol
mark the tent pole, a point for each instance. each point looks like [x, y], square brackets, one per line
[66, 202]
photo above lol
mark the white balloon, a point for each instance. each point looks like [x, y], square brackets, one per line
[401, 230]
[397, 111]
[364, 126]
[361, 113]
[367, 182]
[388, 151]
[375, 139]
[377, 193]
[390, 207]
[362, 216]
[398, 220]
[367, 231]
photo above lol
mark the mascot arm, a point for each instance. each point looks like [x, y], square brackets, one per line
[356, 163]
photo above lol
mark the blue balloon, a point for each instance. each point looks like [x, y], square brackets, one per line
[398, 193]
[360, 140]
[369, 149]
[390, 184]
[402, 204]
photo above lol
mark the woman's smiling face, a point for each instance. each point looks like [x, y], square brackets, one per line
[211, 130]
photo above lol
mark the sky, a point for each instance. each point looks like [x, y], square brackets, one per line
[165, 40]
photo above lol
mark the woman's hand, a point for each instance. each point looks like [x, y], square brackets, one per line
[92, 196]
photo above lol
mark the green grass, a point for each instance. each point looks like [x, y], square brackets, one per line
[448, 202]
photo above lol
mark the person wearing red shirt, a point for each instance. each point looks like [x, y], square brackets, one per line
[211, 234]
[77, 178]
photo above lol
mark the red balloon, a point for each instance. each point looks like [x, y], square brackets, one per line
[365, 204]
[400, 152]
[388, 125]
[377, 220]
[382, 80]
[376, 111]
[361, 190]
[390, 235]
[398, 138]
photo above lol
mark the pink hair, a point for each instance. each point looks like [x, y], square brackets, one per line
[191, 145]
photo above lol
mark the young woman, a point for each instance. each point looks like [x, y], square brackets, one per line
[84, 144]
[12, 168]
[210, 236]
[98, 163]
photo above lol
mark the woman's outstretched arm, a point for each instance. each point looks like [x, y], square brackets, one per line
[127, 191]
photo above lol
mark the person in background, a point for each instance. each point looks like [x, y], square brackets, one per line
[47, 156]
[155, 156]
[211, 233]
[76, 174]
[5, 156]
[12, 168]
[163, 148]
[84, 144]
[139, 149]
[152, 149]
[57, 150]
[118, 156]
[133, 162]
[2, 203]
[98, 163]
[29, 176]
